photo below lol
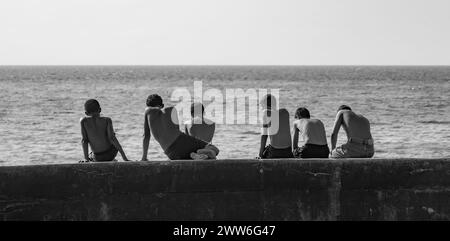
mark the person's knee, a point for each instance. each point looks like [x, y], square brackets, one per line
[213, 147]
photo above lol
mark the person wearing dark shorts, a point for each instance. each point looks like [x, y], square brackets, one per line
[313, 134]
[312, 151]
[276, 128]
[97, 132]
[272, 152]
[183, 146]
[107, 155]
[163, 124]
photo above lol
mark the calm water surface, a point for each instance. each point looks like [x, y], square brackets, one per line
[40, 107]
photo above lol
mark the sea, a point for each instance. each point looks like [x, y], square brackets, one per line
[41, 106]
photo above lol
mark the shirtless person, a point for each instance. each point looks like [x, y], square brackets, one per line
[162, 123]
[276, 127]
[313, 135]
[99, 133]
[200, 127]
[359, 139]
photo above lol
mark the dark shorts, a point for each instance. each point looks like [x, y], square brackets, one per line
[182, 147]
[312, 151]
[107, 155]
[272, 152]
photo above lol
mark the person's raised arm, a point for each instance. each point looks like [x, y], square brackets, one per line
[146, 140]
[295, 137]
[113, 139]
[337, 126]
[84, 142]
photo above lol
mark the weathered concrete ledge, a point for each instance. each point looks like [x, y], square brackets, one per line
[291, 189]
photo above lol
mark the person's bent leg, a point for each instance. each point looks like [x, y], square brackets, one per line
[183, 146]
[213, 148]
[209, 150]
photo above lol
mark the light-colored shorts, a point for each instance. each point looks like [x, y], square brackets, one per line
[353, 150]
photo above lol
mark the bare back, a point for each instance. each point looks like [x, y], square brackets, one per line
[163, 126]
[97, 130]
[355, 125]
[279, 131]
[312, 131]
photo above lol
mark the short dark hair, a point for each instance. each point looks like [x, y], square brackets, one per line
[195, 106]
[302, 112]
[92, 106]
[344, 107]
[154, 100]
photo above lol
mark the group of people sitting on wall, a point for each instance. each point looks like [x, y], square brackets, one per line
[196, 141]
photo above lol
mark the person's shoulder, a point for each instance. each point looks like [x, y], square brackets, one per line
[208, 121]
[169, 109]
[305, 122]
[317, 122]
[151, 110]
[283, 112]
[361, 117]
[344, 112]
[83, 119]
[107, 119]
[87, 118]
[297, 122]
[313, 120]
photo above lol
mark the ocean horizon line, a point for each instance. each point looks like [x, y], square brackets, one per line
[213, 65]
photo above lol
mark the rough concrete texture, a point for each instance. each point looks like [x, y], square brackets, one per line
[290, 189]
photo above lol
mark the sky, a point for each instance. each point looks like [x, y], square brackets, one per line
[224, 32]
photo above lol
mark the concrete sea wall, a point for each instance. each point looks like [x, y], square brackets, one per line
[319, 189]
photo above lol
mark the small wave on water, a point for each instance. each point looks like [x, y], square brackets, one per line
[381, 124]
[438, 106]
[64, 112]
[251, 133]
[435, 122]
